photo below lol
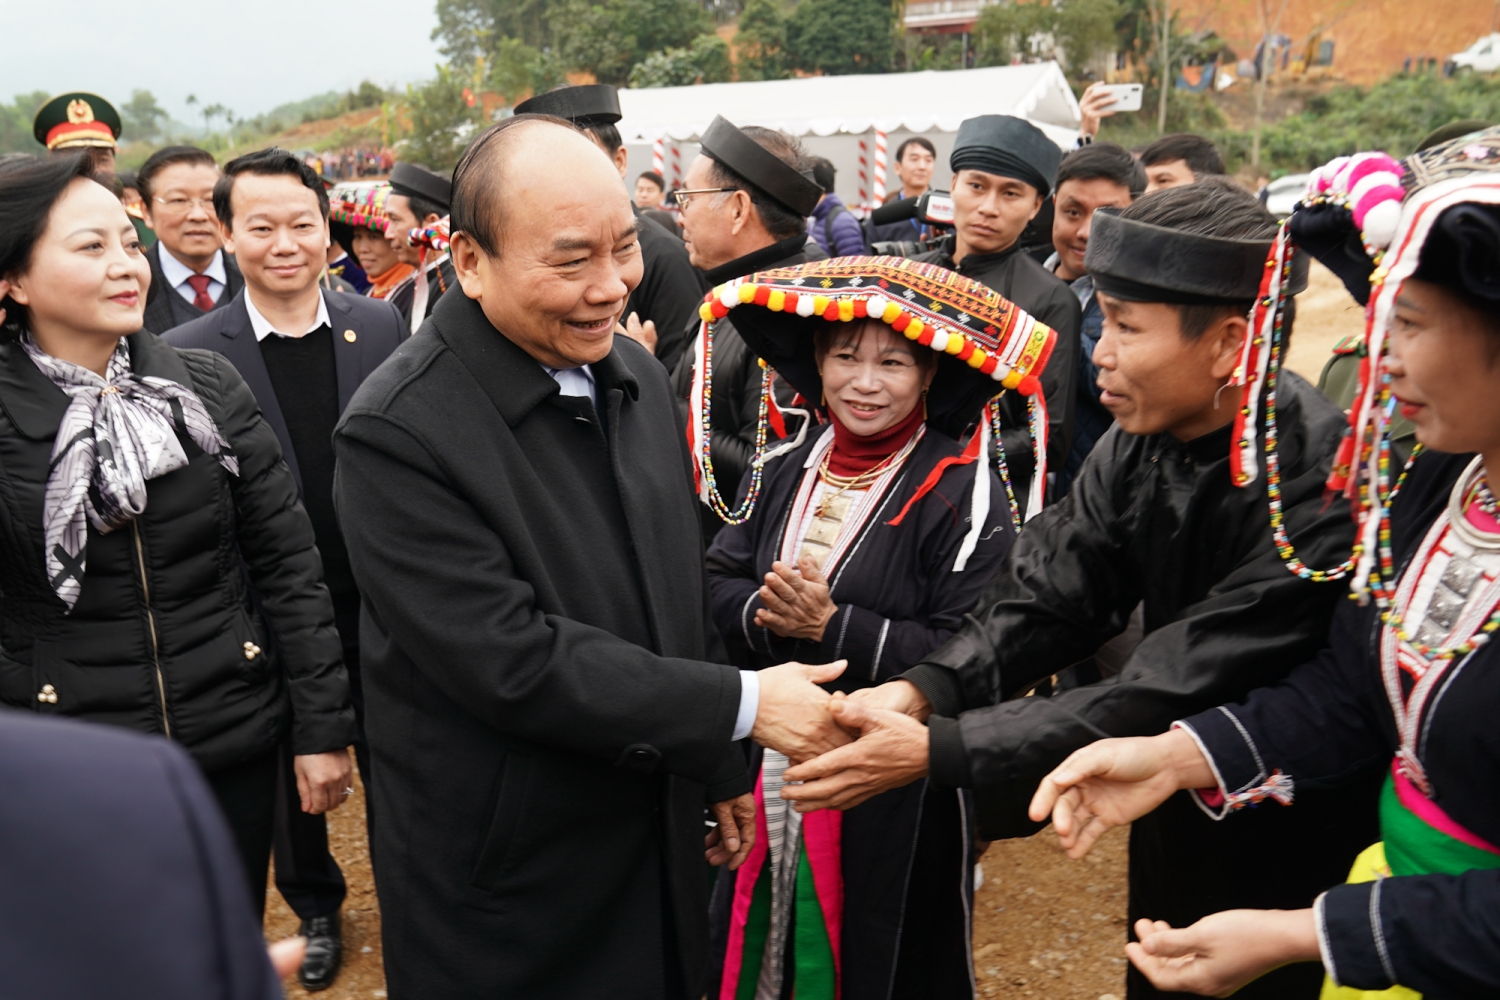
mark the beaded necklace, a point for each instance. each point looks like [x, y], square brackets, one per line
[716, 502]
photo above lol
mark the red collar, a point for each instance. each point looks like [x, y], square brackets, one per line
[854, 454]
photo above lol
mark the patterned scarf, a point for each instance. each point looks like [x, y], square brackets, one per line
[117, 432]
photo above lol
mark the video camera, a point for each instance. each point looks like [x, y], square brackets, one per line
[933, 209]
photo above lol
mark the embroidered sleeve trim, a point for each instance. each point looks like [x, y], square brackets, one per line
[745, 620]
[838, 649]
[1220, 801]
[1324, 952]
[1378, 932]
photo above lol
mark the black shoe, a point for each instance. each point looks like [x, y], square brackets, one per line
[325, 953]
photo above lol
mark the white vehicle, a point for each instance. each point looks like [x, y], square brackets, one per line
[1282, 194]
[1481, 57]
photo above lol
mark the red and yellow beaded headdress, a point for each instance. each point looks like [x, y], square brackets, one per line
[988, 345]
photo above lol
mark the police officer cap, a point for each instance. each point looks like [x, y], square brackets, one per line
[76, 120]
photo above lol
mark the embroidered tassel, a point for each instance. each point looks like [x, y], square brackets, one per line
[695, 429]
[1255, 358]
[1278, 788]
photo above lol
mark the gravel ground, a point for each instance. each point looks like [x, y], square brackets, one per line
[1044, 926]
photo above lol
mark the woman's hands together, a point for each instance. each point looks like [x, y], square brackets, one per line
[797, 605]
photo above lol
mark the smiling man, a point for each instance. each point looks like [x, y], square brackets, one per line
[303, 351]
[550, 710]
[1100, 175]
[1154, 520]
[1003, 170]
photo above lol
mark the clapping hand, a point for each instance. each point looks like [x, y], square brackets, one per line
[797, 603]
[1112, 782]
[891, 751]
[1223, 951]
[793, 715]
[642, 333]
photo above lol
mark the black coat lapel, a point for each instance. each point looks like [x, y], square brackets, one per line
[32, 402]
[348, 352]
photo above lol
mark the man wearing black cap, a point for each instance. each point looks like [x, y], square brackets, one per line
[1002, 173]
[664, 304]
[1154, 519]
[419, 197]
[745, 203]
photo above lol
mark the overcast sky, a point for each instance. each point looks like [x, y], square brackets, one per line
[248, 55]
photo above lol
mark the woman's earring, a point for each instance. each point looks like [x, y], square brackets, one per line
[1226, 385]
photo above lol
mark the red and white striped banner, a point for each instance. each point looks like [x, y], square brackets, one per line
[659, 157]
[880, 158]
[676, 166]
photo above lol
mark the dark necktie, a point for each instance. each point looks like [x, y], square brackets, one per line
[200, 288]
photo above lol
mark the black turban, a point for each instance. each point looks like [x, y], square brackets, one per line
[1007, 146]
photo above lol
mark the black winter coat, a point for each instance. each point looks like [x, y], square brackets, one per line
[1020, 279]
[162, 638]
[166, 308]
[538, 659]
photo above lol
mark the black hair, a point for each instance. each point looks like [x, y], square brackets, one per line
[477, 209]
[272, 162]
[915, 140]
[423, 207]
[827, 336]
[1103, 161]
[823, 173]
[13, 161]
[27, 195]
[780, 221]
[1214, 206]
[1461, 254]
[1200, 154]
[655, 178]
[607, 136]
[128, 179]
[165, 157]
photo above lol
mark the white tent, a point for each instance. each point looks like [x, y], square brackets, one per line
[855, 121]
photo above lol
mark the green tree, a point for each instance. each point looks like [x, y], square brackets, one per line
[440, 118]
[608, 38]
[142, 117]
[838, 37]
[517, 69]
[15, 123]
[761, 42]
[470, 29]
[704, 61]
[1078, 30]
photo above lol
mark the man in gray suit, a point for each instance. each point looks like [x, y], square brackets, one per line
[303, 351]
[190, 272]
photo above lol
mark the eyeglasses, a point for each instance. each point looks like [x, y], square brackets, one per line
[681, 197]
[180, 204]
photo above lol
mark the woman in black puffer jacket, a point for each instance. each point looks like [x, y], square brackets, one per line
[157, 571]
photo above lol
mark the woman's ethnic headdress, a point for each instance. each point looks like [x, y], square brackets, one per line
[360, 205]
[1389, 209]
[988, 345]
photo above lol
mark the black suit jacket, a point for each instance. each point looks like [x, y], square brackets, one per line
[378, 330]
[116, 838]
[537, 653]
[165, 308]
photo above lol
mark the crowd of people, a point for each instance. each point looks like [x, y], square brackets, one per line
[700, 592]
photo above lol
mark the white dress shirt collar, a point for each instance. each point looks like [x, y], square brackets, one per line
[264, 329]
[176, 272]
[573, 381]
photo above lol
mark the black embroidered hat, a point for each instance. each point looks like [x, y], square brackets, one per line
[724, 142]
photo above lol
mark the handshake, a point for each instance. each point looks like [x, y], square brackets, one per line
[845, 748]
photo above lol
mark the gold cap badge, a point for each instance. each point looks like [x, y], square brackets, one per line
[80, 111]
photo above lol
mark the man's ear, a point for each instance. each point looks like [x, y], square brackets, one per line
[1041, 199]
[228, 237]
[431, 218]
[1229, 336]
[622, 161]
[743, 211]
[466, 256]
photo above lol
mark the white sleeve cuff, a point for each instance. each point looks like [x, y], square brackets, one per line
[749, 704]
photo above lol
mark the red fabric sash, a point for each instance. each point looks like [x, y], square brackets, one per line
[854, 454]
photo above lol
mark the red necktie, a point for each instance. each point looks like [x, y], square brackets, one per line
[200, 287]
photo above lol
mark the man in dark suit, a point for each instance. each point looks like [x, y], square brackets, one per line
[121, 877]
[303, 351]
[190, 272]
[549, 701]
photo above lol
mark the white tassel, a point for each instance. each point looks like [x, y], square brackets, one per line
[1036, 410]
[696, 430]
[979, 500]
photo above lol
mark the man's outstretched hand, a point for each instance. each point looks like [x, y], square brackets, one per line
[793, 715]
[891, 751]
[1223, 951]
[730, 842]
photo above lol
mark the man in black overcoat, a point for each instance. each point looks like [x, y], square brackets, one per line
[548, 704]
